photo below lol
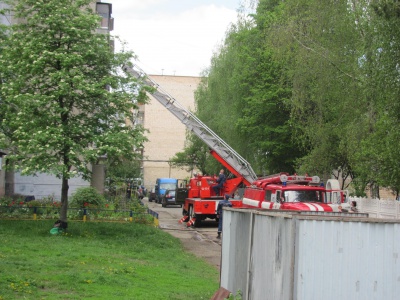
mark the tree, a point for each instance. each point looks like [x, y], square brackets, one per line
[243, 96]
[342, 58]
[378, 152]
[123, 170]
[65, 96]
[194, 155]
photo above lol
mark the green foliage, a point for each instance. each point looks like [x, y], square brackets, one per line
[244, 94]
[121, 170]
[194, 155]
[237, 296]
[341, 58]
[104, 261]
[87, 197]
[118, 210]
[118, 173]
[311, 86]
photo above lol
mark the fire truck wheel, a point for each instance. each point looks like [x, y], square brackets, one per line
[197, 222]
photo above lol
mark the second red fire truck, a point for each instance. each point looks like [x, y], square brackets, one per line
[294, 192]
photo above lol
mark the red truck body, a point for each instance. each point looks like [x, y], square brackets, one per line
[279, 191]
[202, 202]
[293, 192]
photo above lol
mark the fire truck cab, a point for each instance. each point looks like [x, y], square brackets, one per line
[294, 192]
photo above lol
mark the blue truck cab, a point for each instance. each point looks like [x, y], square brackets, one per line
[162, 184]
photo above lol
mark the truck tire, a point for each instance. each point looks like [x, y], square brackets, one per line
[197, 222]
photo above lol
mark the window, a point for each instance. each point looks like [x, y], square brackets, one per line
[267, 195]
[278, 196]
[104, 10]
[303, 196]
[168, 186]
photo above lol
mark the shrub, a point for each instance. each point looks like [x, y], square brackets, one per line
[6, 201]
[35, 203]
[87, 197]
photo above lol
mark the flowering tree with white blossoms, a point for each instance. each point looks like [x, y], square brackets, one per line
[64, 95]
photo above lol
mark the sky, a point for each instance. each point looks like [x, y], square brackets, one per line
[173, 37]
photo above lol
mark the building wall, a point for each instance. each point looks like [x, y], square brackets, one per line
[166, 133]
[45, 185]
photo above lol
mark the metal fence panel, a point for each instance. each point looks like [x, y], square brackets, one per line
[235, 251]
[306, 257]
[347, 260]
[271, 258]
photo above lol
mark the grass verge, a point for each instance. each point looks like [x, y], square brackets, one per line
[98, 261]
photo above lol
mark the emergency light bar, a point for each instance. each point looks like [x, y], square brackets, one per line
[297, 178]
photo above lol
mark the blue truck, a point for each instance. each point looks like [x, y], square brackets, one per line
[162, 185]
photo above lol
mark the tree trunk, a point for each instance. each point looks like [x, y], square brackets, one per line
[64, 200]
[374, 190]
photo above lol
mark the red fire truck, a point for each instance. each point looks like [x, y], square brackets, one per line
[278, 191]
[294, 192]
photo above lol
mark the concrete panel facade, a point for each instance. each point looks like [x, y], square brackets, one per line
[45, 186]
[166, 133]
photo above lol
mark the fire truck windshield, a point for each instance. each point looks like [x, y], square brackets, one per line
[302, 196]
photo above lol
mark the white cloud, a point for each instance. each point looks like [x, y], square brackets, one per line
[179, 42]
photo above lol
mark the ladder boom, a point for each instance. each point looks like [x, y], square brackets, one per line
[194, 124]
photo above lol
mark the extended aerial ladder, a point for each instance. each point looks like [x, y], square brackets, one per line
[228, 157]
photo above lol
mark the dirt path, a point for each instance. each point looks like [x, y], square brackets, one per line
[202, 241]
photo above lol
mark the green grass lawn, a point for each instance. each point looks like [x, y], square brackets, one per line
[98, 261]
